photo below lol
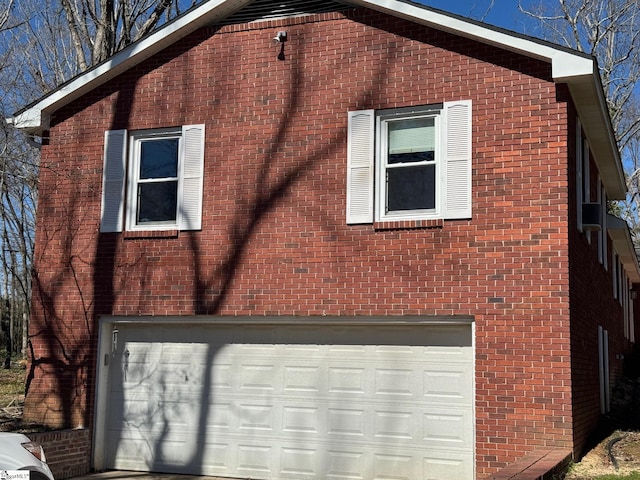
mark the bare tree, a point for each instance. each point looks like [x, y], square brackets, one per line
[4, 13]
[100, 28]
[45, 44]
[17, 182]
[610, 31]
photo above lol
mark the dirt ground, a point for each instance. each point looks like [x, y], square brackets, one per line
[618, 453]
[616, 449]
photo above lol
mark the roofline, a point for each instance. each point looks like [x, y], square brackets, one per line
[35, 117]
[623, 244]
[565, 63]
[578, 70]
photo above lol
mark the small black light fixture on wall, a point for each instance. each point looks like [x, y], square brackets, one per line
[281, 38]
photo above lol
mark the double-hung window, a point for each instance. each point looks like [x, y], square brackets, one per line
[158, 184]
[154, 186]
[409, 164]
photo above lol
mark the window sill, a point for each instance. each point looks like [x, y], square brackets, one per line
[133, 234]
[408, 224]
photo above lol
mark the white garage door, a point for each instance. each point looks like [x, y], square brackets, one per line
[290, 402]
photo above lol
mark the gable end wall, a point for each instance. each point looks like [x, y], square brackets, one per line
[274, 238]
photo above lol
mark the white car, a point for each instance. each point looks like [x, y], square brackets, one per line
[21, 458]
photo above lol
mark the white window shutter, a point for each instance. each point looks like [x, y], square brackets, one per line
[193, 173]
[113, 179]
[457, 159]
[579, 181]
[360, 166]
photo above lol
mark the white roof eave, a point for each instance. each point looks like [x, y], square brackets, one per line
[623, 244]
[565, 64]
[35, 118]
[577, 70]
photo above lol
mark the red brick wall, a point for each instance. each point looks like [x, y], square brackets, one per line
[274, 238]
[68, 452]
[592, 306]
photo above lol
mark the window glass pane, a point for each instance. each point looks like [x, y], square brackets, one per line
[411, 188]
[157, 202]
[159, 158]
[411, 140]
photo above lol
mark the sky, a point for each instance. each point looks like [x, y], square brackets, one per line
[503, 13]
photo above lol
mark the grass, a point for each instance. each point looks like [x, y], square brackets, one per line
[630, 476]
[11, 384]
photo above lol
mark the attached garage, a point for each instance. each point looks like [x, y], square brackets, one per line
[287, 400]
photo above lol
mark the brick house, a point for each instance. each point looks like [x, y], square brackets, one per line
[314, 239]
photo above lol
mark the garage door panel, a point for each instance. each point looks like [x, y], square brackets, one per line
[395, 382]
[392, 425]
[257, 417]
[437, 467]
[394, 466]
[347, 381]
[299, 463]
[217, 457]
[447, 428]
[346, 423]
[328, 408]
[448, 384]
[255, 460]
[130, 454]
[258, 377]
[302, 379]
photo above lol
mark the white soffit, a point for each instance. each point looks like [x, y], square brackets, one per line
[623, 244]
[35, 118]
[579, 71]
[566, 64]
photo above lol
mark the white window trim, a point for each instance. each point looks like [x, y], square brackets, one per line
[603, 370]
[382, 121]
[579, 180]
[602, 233]
[586, 176]
[625, 305]
[621, 277]
[135, 142]
[118, 176]
[454, 175]
[603, 230]
[632, 326]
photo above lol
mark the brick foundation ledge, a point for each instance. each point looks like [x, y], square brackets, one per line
[537, 465]
[68, 451]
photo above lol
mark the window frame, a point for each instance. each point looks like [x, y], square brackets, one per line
[116, 208]
[383, 119]
[133, 178]
[455, 176]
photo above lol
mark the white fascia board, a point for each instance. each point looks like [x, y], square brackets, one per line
[565, 63]
[34, 118]
[29, 120]
[623, 245]
[579, 71]
[591, 105]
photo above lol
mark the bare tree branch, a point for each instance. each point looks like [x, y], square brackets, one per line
[45, 43]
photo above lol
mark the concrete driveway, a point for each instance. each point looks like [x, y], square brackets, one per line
[120, 475]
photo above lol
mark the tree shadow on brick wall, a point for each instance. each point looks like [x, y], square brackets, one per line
[72, 368]
[276, 178]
